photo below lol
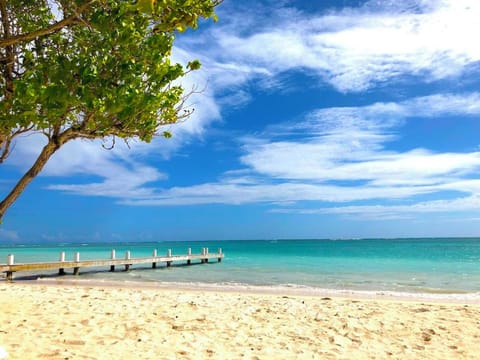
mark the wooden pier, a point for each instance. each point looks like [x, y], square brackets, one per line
[11, 267]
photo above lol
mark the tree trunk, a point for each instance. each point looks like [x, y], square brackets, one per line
[42, 159]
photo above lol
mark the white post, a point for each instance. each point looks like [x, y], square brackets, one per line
[61, 271]
[189, 251]
[10, 261]
[127, 257]
[169, 254]
[154, 254]
[76, 270]
[112, 256]
[219, 251]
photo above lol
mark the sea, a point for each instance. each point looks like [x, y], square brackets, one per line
[437, 267]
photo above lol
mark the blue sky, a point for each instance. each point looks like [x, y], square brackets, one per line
[317, 119]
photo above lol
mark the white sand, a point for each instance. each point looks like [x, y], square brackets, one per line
[93, 322]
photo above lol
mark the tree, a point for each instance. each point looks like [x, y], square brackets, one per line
[96, 69]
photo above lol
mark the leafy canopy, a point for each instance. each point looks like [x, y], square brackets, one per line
[110, 74]
[92, 69]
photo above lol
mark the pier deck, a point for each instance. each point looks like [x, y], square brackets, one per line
[76, 264]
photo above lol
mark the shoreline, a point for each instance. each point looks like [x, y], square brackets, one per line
[83, 320]
[295, 290]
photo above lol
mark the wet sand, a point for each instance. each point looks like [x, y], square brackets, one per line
[69, 321]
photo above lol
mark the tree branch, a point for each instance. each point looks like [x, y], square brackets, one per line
[6, 142]
[72, 19]
[8, 63]
[5, 150]
[54, 143]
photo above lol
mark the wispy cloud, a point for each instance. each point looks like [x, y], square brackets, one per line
[346, 145]
[461, 204]
[349, 144]
[353, 49]
[9, 235]
[342, 157]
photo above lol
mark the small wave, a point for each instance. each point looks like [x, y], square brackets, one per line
[283, 289]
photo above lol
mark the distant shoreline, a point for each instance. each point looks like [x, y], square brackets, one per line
[163, 242]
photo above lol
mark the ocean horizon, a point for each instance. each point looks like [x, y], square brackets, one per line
[435, 266]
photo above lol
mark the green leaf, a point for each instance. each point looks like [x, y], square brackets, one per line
[194, 65]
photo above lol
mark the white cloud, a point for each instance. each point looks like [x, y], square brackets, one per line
[354, 49]
[348, 144]
[321, 162]
[231, 193]
[118, 169]
[9, 235]
[335, 144]
[461, 204]
[341, 144]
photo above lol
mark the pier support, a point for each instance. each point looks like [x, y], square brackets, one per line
[189, 252]
[169, 254]
[61, 271]
[10, 261]
[154, 254]
[219, 254]
[76, 270]
[127, 257]
[112, 256]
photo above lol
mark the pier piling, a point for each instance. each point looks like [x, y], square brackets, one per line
[112, 256]
[10, 261]
[154, 254]
[169, 255]
[127, 257]
[76, 270]
[61, 271]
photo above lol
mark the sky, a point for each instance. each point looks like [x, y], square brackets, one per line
[316, 119]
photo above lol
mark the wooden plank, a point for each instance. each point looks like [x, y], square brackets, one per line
[55, 265]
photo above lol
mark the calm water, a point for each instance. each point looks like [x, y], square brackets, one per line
[406, 265]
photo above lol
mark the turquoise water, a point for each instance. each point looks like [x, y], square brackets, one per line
[405, 265]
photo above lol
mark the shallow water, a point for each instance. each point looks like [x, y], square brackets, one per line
[434, 266]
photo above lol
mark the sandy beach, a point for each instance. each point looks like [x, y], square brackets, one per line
[109, 322]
